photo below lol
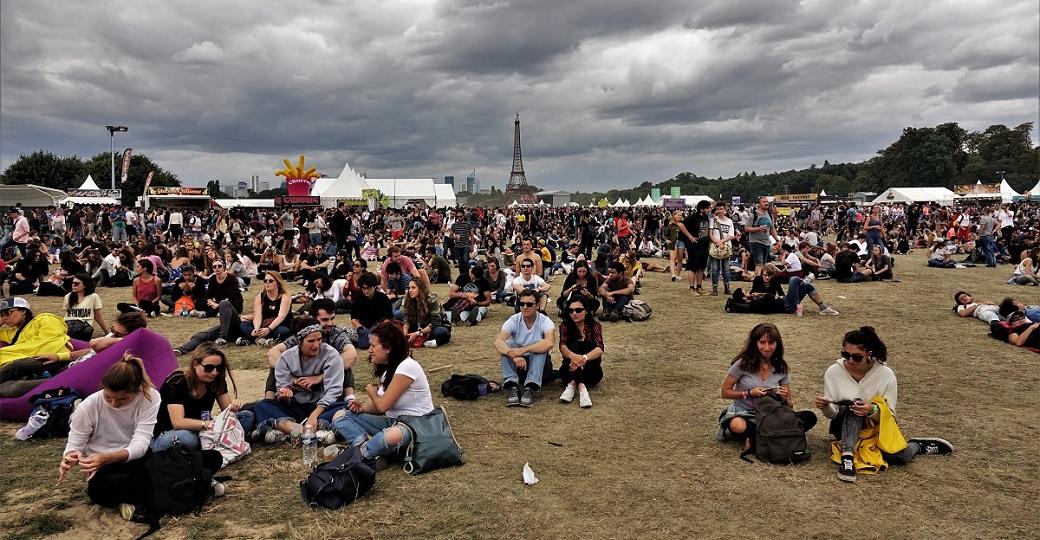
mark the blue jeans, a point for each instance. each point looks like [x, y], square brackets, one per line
[440, 334]
[269, 412]
[718, 266]
[616, 303]
[535, 367]
[190, 439]
[986, 242]
[245, 329]
[797, 289]
[874, 238]
[356, 429]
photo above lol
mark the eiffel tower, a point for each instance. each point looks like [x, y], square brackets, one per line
[517, 179]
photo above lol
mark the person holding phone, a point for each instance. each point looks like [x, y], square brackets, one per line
[759, 369]
[860, 392]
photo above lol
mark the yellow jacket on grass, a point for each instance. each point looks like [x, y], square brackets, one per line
[878, 436]
[43, 334]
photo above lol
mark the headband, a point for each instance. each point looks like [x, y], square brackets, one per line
[307, 330]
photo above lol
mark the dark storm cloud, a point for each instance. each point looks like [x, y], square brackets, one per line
[608, 94]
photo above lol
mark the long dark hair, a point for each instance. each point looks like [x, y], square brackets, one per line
[88, 289]
[867, 338]
[572, 329]
[391, 335]
[205, 349]
[749, 357]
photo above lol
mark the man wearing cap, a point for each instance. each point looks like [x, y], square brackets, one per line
[28, 335]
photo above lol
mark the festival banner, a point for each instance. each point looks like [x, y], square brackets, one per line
[95, 193]
[177, 191]
[735, 200]
[148, 180]
[655, 194]
[126, 164]
[676, 192]
[977, 189]
[796, 197]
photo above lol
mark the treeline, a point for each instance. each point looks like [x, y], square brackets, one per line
[940, 156]
[46, 169]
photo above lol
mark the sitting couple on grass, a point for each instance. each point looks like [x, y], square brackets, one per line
[767, 295]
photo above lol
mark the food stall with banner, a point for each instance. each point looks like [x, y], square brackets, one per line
[90, 194]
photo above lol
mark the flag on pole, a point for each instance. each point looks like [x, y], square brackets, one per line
[126, 164]
[147, 183]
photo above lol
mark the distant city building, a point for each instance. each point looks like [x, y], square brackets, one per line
[554, 198]
[450, 180]
[264, 186]
[471, 183]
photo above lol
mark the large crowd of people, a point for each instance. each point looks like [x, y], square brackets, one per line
[204, 263]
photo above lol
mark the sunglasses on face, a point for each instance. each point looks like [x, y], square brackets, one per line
[854, 357]
[209, 368]
[77, 283]
[526, 304]
[576, 310]
[268, 281]
[215, 266]
[526, 266]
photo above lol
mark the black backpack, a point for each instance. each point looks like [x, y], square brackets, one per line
[341, 481]
[778, 436]
[466, 386]
[179, 481]
[59, 404]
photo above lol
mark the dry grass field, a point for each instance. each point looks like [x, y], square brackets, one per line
[642, 462]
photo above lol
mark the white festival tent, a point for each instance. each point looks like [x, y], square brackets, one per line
[30, 195]
[942, 196]
[645, 201]
[1007, 193]
[1035, 192]
[399, 191]
[90, 185]
[823, 193]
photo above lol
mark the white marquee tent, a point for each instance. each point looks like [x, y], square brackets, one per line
[89, 185]
[942, 196]
[30, 195]
[1035, 192]
[399, 191]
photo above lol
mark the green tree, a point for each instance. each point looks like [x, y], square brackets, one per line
[46, 169]
[140, 166]
[213, 188]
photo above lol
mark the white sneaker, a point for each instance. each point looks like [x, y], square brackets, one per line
[568, 394]
[126, 511]
[275, 436]
[325, 436]
[219, 489]
[829, 311]
[583, 398]
[810, 278]
[430, 344]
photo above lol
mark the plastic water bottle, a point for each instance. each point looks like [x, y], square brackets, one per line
[207, 416]
[799, 310]
[36, 421]
[310, 447]
[185, 312]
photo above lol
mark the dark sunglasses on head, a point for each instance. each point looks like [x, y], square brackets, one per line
[208, 368]
[854, 357]
[526, 304]
[576, 310]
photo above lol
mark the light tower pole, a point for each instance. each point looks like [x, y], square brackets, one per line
[112, 148]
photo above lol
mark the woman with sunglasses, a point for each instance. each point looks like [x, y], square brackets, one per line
[758, 370]
[188, 393]
[581, 346]
[859, 394]
[272, 314]
[83, 309]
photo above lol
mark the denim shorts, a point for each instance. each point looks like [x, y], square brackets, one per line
[759, 252]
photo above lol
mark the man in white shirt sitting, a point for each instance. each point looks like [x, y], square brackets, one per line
[529, 280]
[524, 343]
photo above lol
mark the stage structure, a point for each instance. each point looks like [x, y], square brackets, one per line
[517, 179]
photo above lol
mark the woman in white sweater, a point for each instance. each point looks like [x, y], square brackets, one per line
[109, 435]
[849, 386]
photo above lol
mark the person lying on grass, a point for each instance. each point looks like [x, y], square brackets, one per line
[402, 389]
[859, 396]
[759, 369]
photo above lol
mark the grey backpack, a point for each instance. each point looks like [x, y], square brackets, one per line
[637, 310]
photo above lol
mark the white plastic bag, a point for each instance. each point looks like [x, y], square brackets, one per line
[227, 437]
[529, 477]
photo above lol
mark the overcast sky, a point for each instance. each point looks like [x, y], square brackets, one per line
[607, 96]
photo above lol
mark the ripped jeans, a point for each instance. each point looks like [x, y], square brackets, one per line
[356, 428]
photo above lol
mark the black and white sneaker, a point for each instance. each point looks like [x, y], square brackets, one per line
[512, 396]
[934, 446]
[847, 469]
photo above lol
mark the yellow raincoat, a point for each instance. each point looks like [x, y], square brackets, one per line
[46, 333]
[876, 437]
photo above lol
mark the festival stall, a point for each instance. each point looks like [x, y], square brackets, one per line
[1030, 194]
[177, 196]
[979, 192]
[90, 194]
